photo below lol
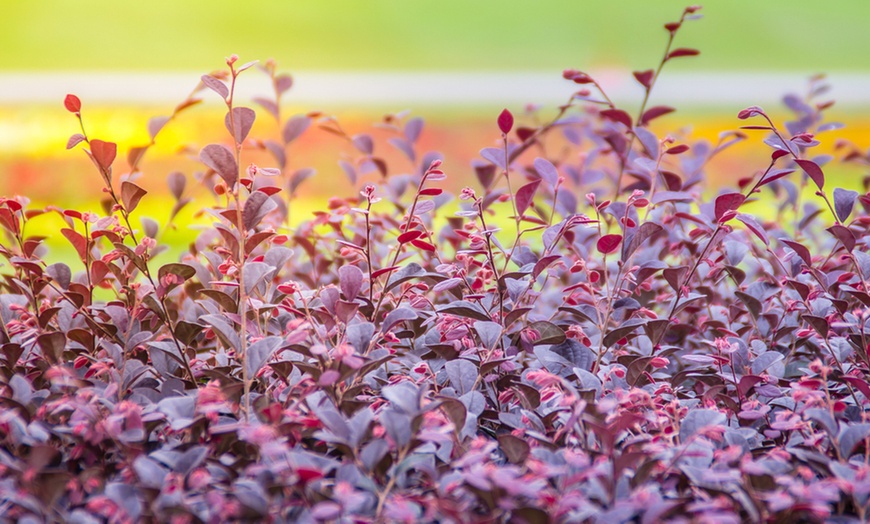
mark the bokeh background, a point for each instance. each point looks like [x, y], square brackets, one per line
[456, 63]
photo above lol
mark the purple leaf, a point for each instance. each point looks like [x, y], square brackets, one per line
[156, 124]
[413, 129]
[215, 85]
[176, 182]
[283, 83]
[221, 160]
[349, 170]
[547, 171]
[294, 127]
[641, 235]
[239, 122]
[755, 227]
[257, 206]
[364, 143]
[494, 155]
[844, 200]
[350, 280]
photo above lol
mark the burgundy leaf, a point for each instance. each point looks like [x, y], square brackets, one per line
[425, 246]
[257, 206]
[813, 171]
[608, 243]
[617, 115]
[676, 150]
[655, 112]
[505, 121]
[727, 202]
[525, 195]
[643, 233]
[408, 236]
[844, 235]
[683, 51]
[644, 77]
[801, 251]
[131, 194]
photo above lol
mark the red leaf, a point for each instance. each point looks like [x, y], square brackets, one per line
[608, 243]
[72, 104]
[683, 51]
[676, 150]
[270, 190]
[131, 194]
[644, 77]
[426, 246]
[104, 153]
[431, 191]
[617, 115]
[655, 112]
[778, 153]
[524, 196]
[813, 171]
[505, 121]
[381, 271]
[77, 240]
[525, 133]
[408, 236]
[727, 202]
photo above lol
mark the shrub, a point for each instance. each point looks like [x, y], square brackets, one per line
[641, 353]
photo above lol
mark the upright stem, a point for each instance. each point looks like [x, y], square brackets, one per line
[240, 226]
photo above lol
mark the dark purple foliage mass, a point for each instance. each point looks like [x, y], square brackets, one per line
[647, 352]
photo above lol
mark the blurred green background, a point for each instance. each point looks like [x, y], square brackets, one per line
[86, 35]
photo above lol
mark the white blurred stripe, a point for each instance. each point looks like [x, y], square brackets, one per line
[717, 89]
